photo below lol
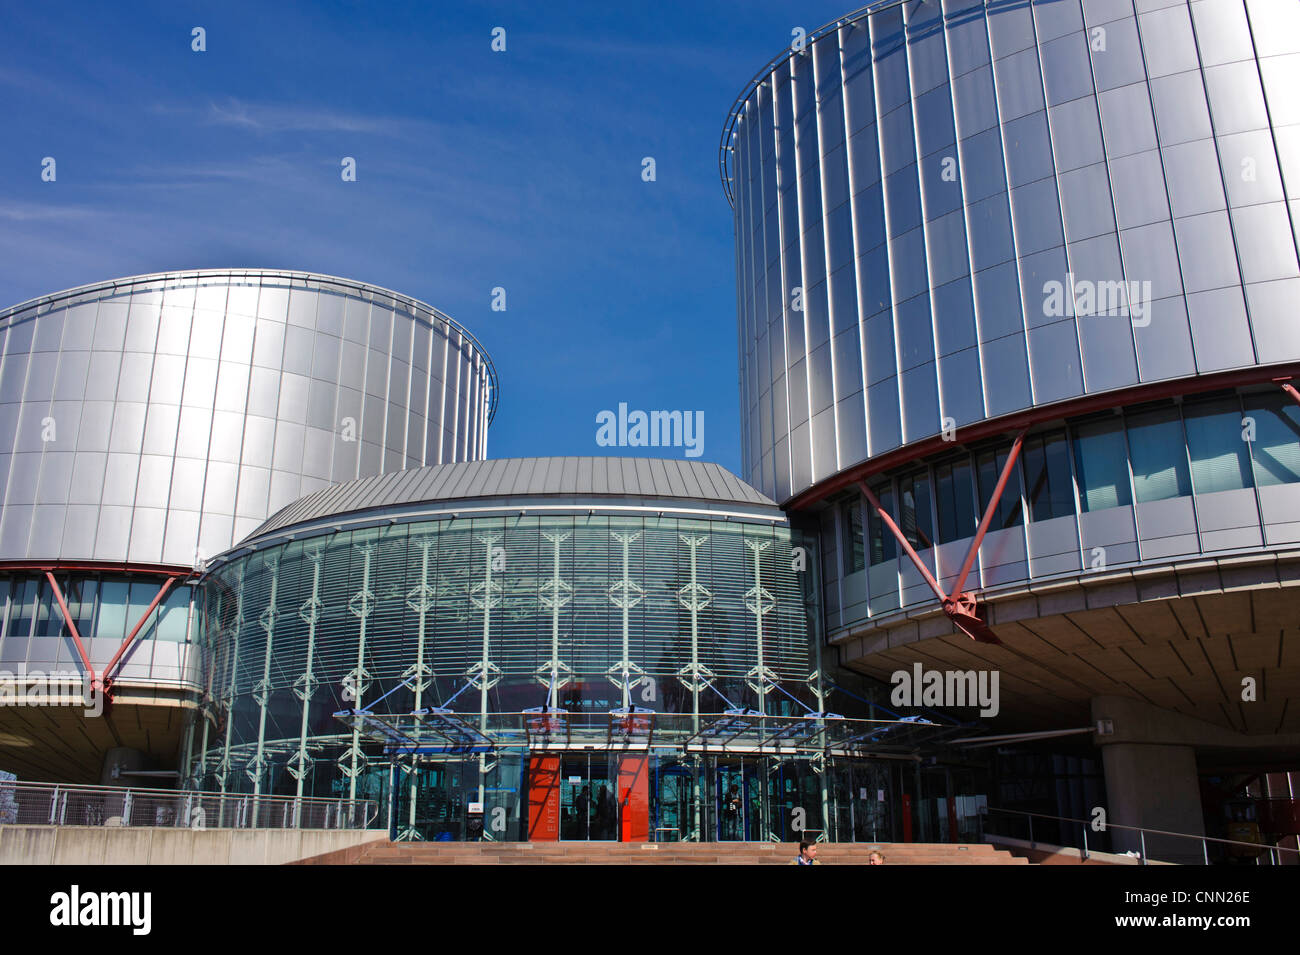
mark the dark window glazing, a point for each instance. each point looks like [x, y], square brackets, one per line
[1101, 462]
[854, 547]
[1275, 449]
[914, 511]
[883, 545]
[1159, 456]
[989, 466]
[954, 501]
[1047, 477]
[1217, 446]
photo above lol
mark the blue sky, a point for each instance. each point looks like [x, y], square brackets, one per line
[475, 169]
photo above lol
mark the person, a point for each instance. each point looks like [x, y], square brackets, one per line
[807, 854]
[875, 858]
[731, 819]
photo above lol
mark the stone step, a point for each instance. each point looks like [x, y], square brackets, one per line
[675, 853]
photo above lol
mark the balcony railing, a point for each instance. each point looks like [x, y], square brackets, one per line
[51, 804]
[1064, 831]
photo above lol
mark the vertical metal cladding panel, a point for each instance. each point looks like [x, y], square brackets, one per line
[1044, 200]
[160, 418]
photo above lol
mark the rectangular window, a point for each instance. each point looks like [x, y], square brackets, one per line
[49, 616]
[18, 628]
[1217, 446]
[883, 545]
[954, 500]
[172, 616]
[1275, 449]
[111, 622]
[1047, 477]
[854, 546]
[989, 467]
[916, 522]
[1101, 461]
[1159, 456]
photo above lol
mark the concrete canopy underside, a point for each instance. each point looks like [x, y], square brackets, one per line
[1181, 637]
[62, 744]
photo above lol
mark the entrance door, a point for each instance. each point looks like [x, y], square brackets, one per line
[739, 800]
[676, 813]
[588, 800]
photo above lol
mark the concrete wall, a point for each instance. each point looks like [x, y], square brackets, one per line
[97, 845]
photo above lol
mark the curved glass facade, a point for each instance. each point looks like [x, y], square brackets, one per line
[671, 654]
[951, 212]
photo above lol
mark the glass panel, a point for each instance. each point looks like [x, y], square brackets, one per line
[1101, 461]
[22, 601]
[915, 520]
[112, 609]
[1047, 476]
[1220, 459]
[1276, 448]
[953, 497]
[854, 551]
[49, 618]
[1155, 441]
[883, 545]
[173, 616]
[989, 468]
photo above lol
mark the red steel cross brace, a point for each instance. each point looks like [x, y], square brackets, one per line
[960, 606]
[105, 680]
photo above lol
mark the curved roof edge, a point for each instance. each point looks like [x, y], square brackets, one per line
[291, 275]
[724, 146]
[664, 478]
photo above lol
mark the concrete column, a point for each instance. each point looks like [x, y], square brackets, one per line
[118, 760]
[1154, 786]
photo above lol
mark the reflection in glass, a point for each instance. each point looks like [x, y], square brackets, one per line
[953, 498]
[1101, 461]
[989, 466]
[914, 514]
[1276, 448]
[883, 546]
[1159, 457]
[1216, 445]
[1047, 477]
[854, 550]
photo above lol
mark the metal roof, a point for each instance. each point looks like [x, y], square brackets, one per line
[523, 477]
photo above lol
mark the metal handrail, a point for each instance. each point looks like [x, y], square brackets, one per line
[57, 804]
[1141, 830]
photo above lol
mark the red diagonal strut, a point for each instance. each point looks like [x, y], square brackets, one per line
[989, 512]
[960, 606]
[72, 628]
[1290, 389]
[904, 542]
[130, 637]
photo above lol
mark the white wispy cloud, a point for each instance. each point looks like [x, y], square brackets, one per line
[279, 118]
[12, 211]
